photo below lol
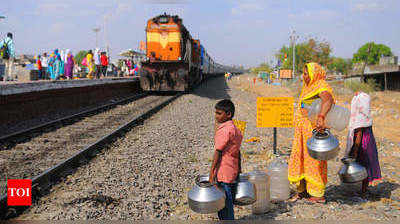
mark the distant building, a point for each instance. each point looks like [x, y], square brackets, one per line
[388, 60]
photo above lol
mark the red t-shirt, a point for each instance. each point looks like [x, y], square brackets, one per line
[228, 139]
[39, 64]
[104, 60]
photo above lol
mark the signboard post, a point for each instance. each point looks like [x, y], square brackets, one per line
[275, 112]
[241, 125]
[285, 74]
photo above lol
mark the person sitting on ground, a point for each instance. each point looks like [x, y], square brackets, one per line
[226, 165]
[361, 143]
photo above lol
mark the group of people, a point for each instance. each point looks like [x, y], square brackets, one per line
[228, 75]
[57, 65]
[308, 174]
[63, 65]
[96, 63]
[129, 68]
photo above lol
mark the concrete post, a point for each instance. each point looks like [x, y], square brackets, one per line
[385, 81]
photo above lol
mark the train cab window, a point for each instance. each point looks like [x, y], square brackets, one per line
[163, 20]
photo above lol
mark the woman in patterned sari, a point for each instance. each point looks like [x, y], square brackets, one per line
[309, 175]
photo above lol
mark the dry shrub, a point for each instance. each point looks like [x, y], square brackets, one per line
[367, 87]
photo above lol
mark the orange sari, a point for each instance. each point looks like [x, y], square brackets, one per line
[301, 165]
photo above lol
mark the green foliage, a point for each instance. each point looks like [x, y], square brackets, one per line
[120, 63]
[308, 51]
[341, 65]
[79, 57]
[375, 53]
[263, 67]
[367, 87]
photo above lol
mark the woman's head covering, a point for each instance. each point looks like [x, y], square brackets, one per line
[360, 116]
[317, 82]
[68, 51]
[315, 71]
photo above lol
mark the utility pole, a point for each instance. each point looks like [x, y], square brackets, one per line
[107, 46]
[293, 38]
[96, 31]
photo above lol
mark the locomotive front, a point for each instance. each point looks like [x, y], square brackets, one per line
[172, 63]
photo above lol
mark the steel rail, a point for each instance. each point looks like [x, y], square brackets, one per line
[43, 182]
[39, 127]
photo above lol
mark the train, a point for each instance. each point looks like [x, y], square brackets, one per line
[175, 61]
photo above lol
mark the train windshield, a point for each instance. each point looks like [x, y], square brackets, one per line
[163, 20]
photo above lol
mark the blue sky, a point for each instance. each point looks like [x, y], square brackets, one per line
[245, 32]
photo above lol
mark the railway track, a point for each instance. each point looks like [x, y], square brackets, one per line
[6, 141]
[51, 155]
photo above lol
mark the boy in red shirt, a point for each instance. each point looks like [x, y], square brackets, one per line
[226, 164]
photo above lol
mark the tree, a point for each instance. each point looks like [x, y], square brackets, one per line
[340, 65]
[79, 57]
[375, 52]
[308, 51]
[263, 67]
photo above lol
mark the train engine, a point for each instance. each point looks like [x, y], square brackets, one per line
[174, 62]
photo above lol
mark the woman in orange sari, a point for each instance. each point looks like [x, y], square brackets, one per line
[309, 175]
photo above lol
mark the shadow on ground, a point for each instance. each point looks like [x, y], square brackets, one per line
[277, 208]
[214, 88]
[349, 194]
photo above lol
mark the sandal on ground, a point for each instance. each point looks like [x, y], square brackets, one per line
[297, 197]
[316, 200]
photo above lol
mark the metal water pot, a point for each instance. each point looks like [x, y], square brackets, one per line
[323, 146]
[351, 171]
[245, 192]
[205, 197]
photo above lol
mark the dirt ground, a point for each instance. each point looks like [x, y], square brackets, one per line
[343, 201]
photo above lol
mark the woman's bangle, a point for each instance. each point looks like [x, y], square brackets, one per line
[322, 116]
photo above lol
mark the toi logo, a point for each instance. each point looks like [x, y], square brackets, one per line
[19, 192]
